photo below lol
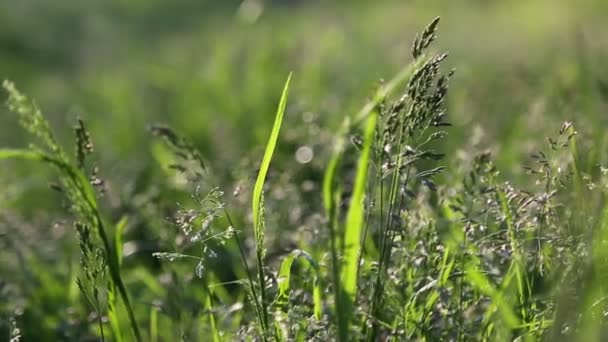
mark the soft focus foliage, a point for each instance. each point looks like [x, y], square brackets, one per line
[392, 208]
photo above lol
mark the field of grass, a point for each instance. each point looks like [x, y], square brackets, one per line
[304, 170]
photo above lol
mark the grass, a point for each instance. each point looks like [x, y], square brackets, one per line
[418, 210]
[79, 191]
[258, 209]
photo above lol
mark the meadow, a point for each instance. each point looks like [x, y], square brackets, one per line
[304, 170]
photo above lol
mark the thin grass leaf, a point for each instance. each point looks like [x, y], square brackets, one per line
[284, 281]
[329, 180]
[120, 228]
[483, 285]
[112, 295]
[153, 325]
[212, 321]
[270, 146]
[113, 314]
[257, 204]
[354, 226]
[284, 289]
[10, 153]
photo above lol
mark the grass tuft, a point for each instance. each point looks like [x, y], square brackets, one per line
[420, 217]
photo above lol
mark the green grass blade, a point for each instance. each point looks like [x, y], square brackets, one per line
[331, 199]
[11, 153]
[354, 225]
[154, 325]
[317, 296]
[270, 146]
[355, 214]
[284, 280]
[257, 202]
[328, 183]
[112, 298]
[484, 285]
[284, 284]
[212, 321]
[120, 228]
[113, 314]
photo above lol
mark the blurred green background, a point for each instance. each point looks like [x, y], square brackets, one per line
[213, 70]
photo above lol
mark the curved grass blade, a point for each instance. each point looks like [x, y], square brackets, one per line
[284, 284]
[284, 280]
[258, 206]
[499, 302]
[270, 146]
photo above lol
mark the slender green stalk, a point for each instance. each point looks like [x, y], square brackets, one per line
[208, 301]
[258, 203]
[354, 225]
[112, 300]
[153, 325]
[253, 292]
